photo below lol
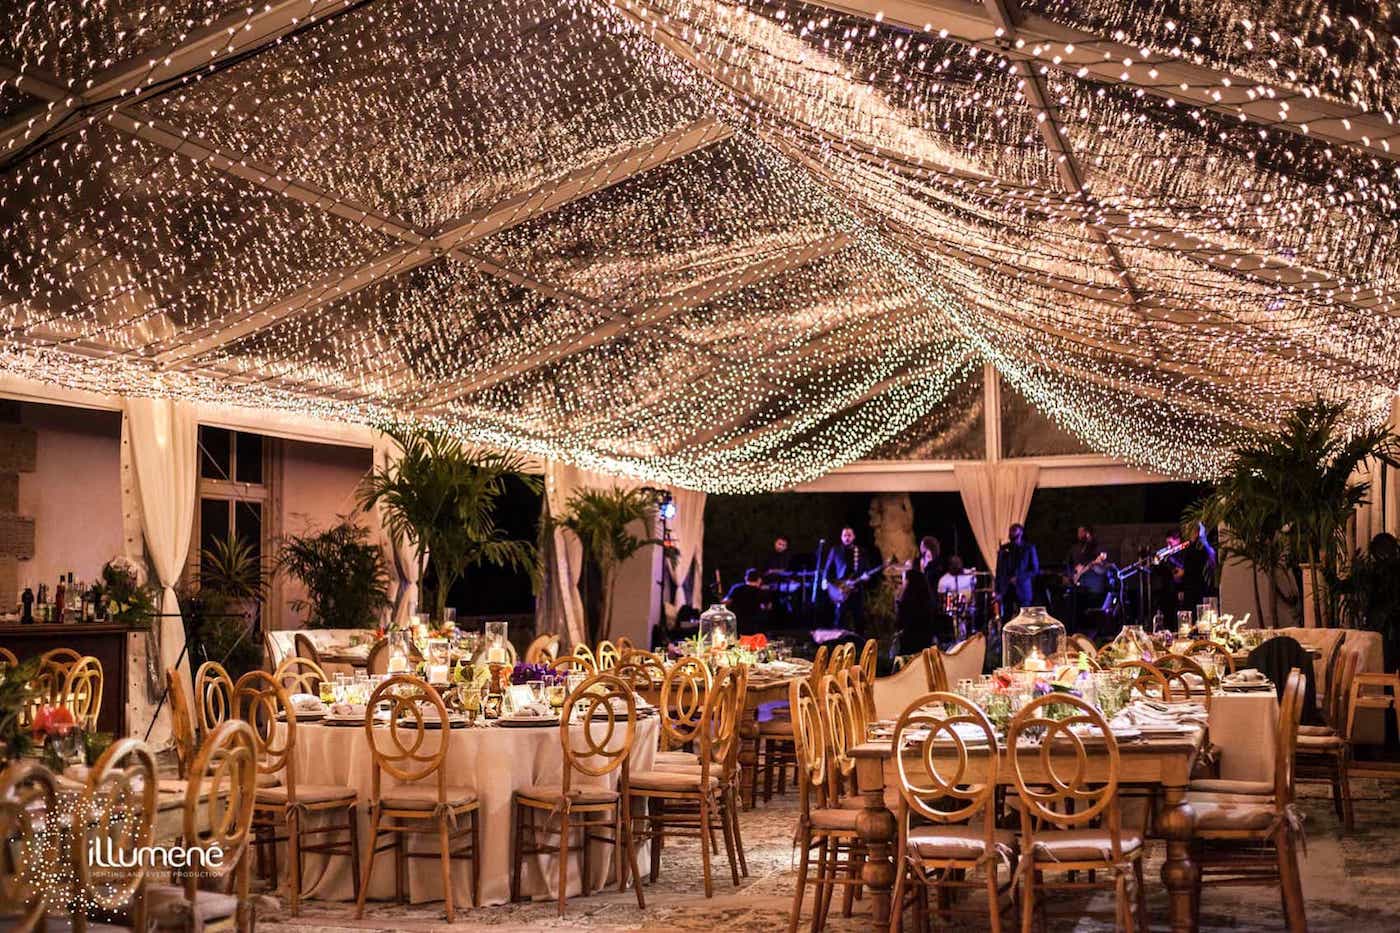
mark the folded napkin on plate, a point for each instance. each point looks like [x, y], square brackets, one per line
[1247, 676]
[348, 710]
[1147, 717]
[306, 703]
[534, 711]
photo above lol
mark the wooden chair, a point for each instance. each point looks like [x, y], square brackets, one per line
[583, 651]
[1251, 839]
[299, 675]
[28, 799]
[863, 693]
[82, 692]
[934, 671]
[870, 658]
[688, 801]
[1222, 655]
[53, 671]
[377, 661]
[607, 655]
[543, 650]
[591, 749]
[116, 812]
[681, 705]
[567, 663]
[182, 729]
[1050, 775]
[1148, 679]
[306, 648]
[304, 810]
[935, 787]
[891, 694]
[423, 802]
[1176, 668]
[213, 696]
[823, 825]
[964, 660]
[1324, 752]
[843, 655]
[222, 783]
[624, 645]
[644, 672]
[7, 658]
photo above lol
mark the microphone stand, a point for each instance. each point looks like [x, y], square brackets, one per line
[817, 576]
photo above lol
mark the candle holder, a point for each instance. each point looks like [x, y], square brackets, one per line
[1034, 636]
[496, 638]
[719, 628]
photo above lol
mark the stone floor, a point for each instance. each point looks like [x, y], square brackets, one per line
[1351, 882]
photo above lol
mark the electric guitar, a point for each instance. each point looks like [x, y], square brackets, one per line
[1081, 569]
[841, 590]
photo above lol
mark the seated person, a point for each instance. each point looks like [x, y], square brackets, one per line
[957, 580]
[750, 602]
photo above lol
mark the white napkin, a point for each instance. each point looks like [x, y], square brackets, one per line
[306, 703]
[534, 711]
[348, 710]
[1247, 676]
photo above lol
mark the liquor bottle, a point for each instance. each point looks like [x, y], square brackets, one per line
[26, 601]
[59, 594]
[43, 610]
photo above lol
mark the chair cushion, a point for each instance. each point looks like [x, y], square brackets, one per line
[1234, 788]
[552, 793]
[677, 757]
[1082, 845]
[210, 905]
[687, 767]
[1320, 743]
[832, 818]
[1232, 811]
[424, 797]
[671, 781]
[959, 842]
[309, 793]
[1316, 730]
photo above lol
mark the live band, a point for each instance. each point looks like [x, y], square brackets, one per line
[939, 601]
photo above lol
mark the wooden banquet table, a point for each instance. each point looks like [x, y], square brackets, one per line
[768, 683]
[1164, 763]
[493, 760]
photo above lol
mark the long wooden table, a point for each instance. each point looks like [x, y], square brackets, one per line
[1164, 763]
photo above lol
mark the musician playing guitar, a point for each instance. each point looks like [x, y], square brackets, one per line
[845, 574]
[1088, 575]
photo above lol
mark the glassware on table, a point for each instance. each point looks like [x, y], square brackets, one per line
[1032, 641]
[1209, 666]
[719, 628]
[536, 690]
[555, 693]
[495, 639]
[471, 702]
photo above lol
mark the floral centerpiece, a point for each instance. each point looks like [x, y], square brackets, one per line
[524, 672]
[123, 595]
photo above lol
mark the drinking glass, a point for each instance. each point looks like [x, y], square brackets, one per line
[536, 690]
[556, 694]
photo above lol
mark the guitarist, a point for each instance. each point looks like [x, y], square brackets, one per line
[845, 565]
[1017, 567]
[1088, 577]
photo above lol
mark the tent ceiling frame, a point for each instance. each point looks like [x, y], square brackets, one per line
[131, 81]
[1046, 44]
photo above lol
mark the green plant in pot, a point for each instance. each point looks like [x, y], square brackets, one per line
[603, 521]
[1286, 498]
[346, 580]
[441, 496]
[230, 591]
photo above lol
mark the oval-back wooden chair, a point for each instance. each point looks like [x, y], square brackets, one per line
[116, 813]
[82, 692]
[870, 658]
[607, 655]
[306, 648]
[543, 650]
[1225, 661]
[182, 723]
[1070, 812]
[1148, 680]
[568, 663]
[583, 651]
[28, 801]
[299, 675]
[947, 761]
[934, 672]
[413, 750]
[597, 744]
[7, 658]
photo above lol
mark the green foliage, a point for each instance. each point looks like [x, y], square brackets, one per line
[1370, 597]
[1285, 499]
[602, 521]
[347, 583]
[120, 597]
[442, 496]
[14, 697]
[232, 568]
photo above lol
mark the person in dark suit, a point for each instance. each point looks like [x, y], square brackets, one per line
[750, 602]
[914, 615]
[1017, 566]
[843, 564]
[931, 561]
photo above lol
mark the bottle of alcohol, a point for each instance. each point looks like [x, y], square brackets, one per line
[26, 601]
[60, 593]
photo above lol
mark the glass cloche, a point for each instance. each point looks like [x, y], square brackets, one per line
[1032, 641]
[718, 627]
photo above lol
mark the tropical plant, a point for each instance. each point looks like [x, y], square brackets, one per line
[346, 580]
[16, 694]
[1286, 498]
[442, 496]
[230, 592]
[602, 520]
[1370, 594]
[232, 567]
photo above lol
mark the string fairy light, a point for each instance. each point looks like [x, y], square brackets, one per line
[723, 245]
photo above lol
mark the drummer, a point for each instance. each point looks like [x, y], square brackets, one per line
[957, 581]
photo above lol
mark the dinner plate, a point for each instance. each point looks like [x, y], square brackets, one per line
[452, 723]
[531, 722]
[305, 716]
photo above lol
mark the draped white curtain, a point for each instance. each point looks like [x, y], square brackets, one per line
[688, 533]
[995, 496]
[403, 553]
[162, 438]
[561, 608]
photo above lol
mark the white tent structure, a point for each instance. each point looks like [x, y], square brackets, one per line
[723, 247]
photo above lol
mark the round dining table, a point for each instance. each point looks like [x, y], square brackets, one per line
[494, 760]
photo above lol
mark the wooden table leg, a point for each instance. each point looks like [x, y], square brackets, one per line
[748, 756]
[878, 831]
[1177, 824]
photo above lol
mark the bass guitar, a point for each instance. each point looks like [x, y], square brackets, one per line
[1081, 569]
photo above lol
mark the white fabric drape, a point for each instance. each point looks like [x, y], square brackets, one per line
[688, 534]
[402, 553]
[163, 439]
[995, 496]
[561, 609]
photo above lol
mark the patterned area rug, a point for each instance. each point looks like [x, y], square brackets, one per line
[1351, 883]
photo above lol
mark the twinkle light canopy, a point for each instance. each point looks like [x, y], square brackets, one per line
[730, 246]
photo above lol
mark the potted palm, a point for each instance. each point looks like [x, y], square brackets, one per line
[603, 521]
[441, 496]
[346, 581]
[1292, 492]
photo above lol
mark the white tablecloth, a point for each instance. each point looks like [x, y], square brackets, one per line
[495, 761]
[1242, 727]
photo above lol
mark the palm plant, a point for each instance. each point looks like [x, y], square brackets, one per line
[231, 567]
[442, 496]
[1289, 495]
[346, 581]
[602, 521]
